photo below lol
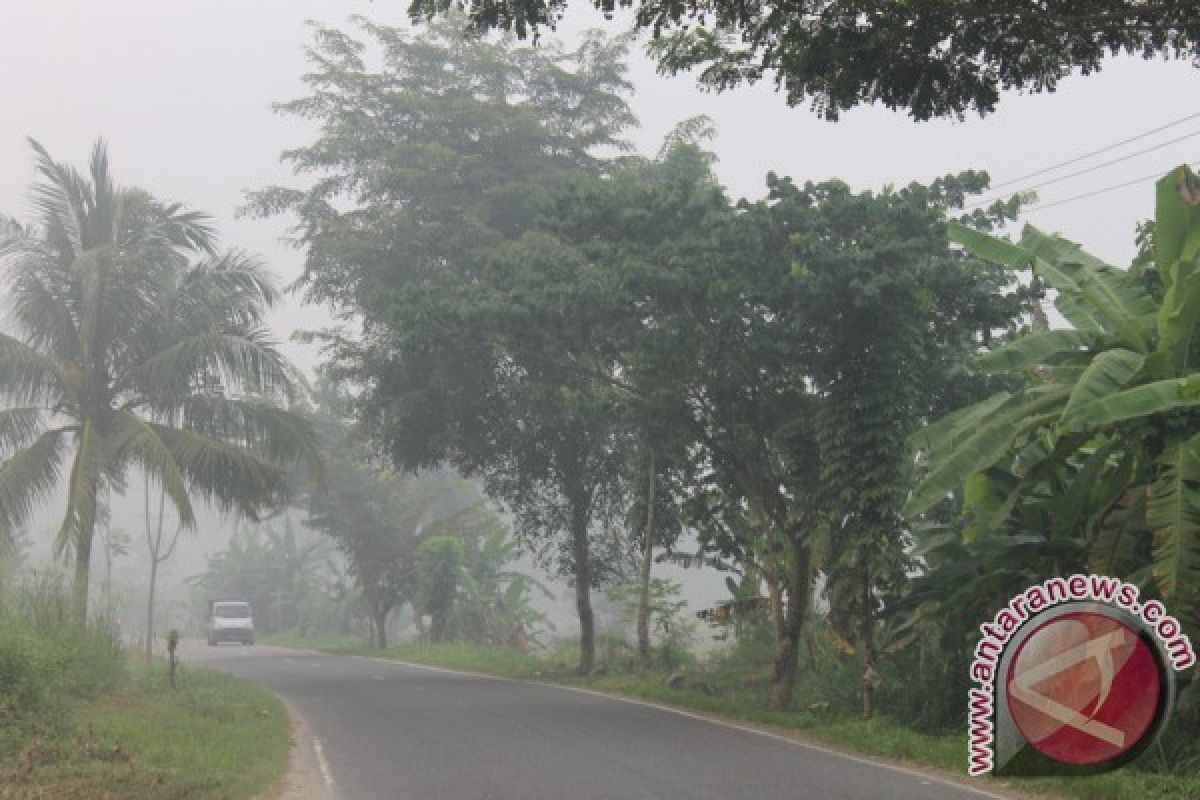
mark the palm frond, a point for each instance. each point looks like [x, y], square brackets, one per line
[103, 215]
[187, 230]
[31, 377]
[230, 477]
[135, 440]
[243, 361]
[60, 200]
[41, 312]
[281, 436]
[28, 477]
[232, 288]
[19, 427]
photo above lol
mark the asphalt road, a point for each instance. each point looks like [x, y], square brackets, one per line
[388, 731]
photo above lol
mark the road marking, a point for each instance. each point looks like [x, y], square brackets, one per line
[378, 678]
[923, 777]
[326, 775]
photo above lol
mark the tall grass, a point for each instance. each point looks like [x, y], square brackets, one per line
[48, 663]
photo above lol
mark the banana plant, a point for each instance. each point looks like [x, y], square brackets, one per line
[1101, 448]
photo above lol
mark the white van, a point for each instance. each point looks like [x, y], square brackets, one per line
[229, 621]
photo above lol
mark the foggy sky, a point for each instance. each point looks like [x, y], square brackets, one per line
[183, 93]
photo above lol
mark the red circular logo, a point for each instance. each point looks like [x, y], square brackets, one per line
[1083, 688]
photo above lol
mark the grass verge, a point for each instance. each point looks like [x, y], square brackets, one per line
[880, 737]
[213, 738]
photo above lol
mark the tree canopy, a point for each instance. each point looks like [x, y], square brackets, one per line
[932, 58]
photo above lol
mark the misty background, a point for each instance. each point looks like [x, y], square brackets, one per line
[183, 93]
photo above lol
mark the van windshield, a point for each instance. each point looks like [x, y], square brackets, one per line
[231, 610]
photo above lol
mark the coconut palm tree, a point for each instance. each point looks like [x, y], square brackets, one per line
[135, 345]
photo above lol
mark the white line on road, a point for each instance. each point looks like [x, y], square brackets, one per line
[322, 765]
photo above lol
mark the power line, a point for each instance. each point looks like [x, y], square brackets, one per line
[1094, 192]
[1085, 171]
[1100, 151]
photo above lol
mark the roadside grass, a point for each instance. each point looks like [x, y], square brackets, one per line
[743, 703]
[212, 738]
[81, 720]
[326, 642]
[448, 655]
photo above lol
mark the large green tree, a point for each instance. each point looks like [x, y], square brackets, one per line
[427, 166]
[769, 354]
[888, 313]
[930, 57]
[712, 382]
[137, 346]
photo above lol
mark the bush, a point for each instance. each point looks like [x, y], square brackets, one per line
[47, 662]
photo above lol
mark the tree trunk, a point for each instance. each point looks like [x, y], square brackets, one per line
[870, 677]
[583, 585]
[154, 536]
[643, 610]
[150, 607]
[381, 616]
[775, 601]
[108, 604]
[83, 565]
[789, 627]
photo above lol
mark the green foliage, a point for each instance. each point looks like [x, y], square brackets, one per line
[670, 625]
[417, 230]
[763, 356]
[1094, 461]
[48, 663]
[288, 577]
[931, 57]
[495, 603]
[378, 517]
[439, 564]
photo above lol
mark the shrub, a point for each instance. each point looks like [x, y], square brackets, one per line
[47, 661]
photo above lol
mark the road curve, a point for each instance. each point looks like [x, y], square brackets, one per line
[390, 731]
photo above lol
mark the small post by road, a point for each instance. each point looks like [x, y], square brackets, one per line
[172, 661]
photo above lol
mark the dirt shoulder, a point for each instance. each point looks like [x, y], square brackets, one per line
[306, 777]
